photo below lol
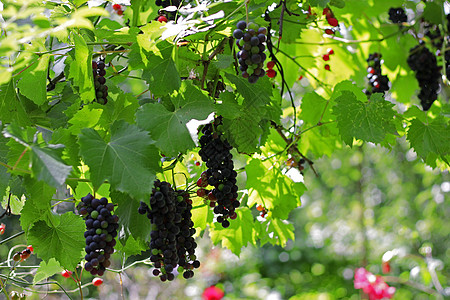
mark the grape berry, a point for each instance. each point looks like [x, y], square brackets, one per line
[171, 242]
[424, 63]
[101, 90]
[101, 229]
[250, 40]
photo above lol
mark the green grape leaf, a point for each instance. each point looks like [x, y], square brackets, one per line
[11, 107]
[433, 12]
[62, 239]
[243, 132]
[129, 160]
[130, 221]
[81, 69]
[430, 138]
[39, 192]
[87, 117]
[132, 246]
[168, 128]
[48, 167]
[275, 191]
[312, 106]
[47, 269]
[370, 121]
[161, 73]
[33, 81]
[254, 94]
[201, 215]
[238, 234]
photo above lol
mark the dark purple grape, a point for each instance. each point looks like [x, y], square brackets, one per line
[241, 25]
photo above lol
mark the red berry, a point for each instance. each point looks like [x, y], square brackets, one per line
[330, 51]
[211, 196]
[2, 228]
[201, 182]
[301, 77]
[271, 73]
[201, 192]
[117, 6]
[376, 84]
[197, 163]
[329, 31]
[326, 10]
[259, 207]
[386, 267]
[120, 12]
[204, 175]
[30, 248]
[270, 65]
[162, 19]
[333, 22]
[97, 281]
[327, 67]
[326, 57]
[66, 274]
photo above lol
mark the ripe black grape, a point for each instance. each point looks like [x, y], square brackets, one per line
[101, 90]
[251, 57]
[397, 15]
[424, 63]
[215, 152]
[378, 83]
[99, 235]
[171, 242]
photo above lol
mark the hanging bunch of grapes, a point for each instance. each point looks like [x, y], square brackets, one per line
[250, 39]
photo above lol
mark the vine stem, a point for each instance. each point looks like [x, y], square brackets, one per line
[11, 237]
[412, 284]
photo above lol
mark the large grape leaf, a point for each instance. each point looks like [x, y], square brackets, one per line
[238, 234]
[371, 121]
[161, 73]
[46, 164]
[275, 191]
[129, 160]
[37, 205]
[254, 94]
[313, 107]
[81, 69]
[48, 167]
[11, 108]
[430, 138]
[33, 82]
[131, 222]
[168, 128]
[62, 239]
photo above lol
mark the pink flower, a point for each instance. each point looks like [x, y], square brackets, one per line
[372, 285]
[212, 293]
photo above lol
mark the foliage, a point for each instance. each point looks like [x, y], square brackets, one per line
[166, 79]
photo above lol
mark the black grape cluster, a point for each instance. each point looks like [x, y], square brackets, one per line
[215, 152]
[397, 15]
[424, 63]
[172, 14]
[379, 83]
[101, 229]
[171, 242]
[101, 90]
[250, 40]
